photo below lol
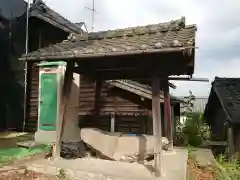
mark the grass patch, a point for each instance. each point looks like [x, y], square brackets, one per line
[9, 155]
[228, 168]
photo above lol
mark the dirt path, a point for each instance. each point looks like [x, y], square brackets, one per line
[201, 165]
[200, 173]
[17, 171]
[22, 174]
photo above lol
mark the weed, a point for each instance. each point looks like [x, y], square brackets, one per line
[61, 174]
[232, 168]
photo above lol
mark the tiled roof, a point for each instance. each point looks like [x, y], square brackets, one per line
[163, 37]
[228, 92]
[138, 88]
[42, 11]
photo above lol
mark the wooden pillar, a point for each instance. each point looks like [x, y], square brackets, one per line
[238, 145]
[98, 90]
[113, 122]
[168, 114]
[230, 139]
[157, 128]
[66, 89]
[39, 38]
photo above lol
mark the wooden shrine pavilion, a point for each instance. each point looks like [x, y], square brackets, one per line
[152, 52]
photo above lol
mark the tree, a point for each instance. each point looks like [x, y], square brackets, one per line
[189, 103]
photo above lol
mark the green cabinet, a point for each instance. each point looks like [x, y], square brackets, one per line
[50, 78]
[48, 101]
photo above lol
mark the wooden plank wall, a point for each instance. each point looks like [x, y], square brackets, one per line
[132, 113]
[32, 97]
[130, 110]
[112, 100]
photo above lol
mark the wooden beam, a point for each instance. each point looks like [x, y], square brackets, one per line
[168, 113]
[189, 79]
[66, 89]
[157, 127]
[133, 89]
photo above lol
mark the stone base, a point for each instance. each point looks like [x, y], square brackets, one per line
[174, 167]
[45, 137]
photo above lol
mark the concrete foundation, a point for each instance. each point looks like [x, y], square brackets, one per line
[45, 137]
[174, 168]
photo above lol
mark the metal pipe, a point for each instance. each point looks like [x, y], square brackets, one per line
[188, 79]
[172, 85]
[25, 68]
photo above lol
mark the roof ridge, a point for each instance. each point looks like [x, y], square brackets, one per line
[46, 11]
[227, 78]
[180, 22]
[165, 27]
[141, 87]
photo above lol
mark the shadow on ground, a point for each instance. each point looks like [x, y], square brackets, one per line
[10, 139]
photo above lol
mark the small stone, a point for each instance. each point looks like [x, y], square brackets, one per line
[114, 49]
[22, 171]
[100, 50]
[143, 47]
[158, 45]
[176, 43]
[89, 51]
[128, 48]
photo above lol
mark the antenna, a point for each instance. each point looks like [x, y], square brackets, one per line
[93, 12]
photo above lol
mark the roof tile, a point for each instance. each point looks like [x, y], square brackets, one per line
[142, 38]
[42, 11]
[228, 91]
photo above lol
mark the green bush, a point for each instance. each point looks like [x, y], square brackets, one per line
[194, 131]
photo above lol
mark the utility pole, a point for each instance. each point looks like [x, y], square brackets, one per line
[26, 65]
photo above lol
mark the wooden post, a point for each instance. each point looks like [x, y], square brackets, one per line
[231, 148]
[238, 145]
[40, 38]
[168, 113]
[157, 128]
[66, 89]
[113, 122]
[98, 90]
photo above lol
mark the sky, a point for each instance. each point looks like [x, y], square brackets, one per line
[217, 38]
